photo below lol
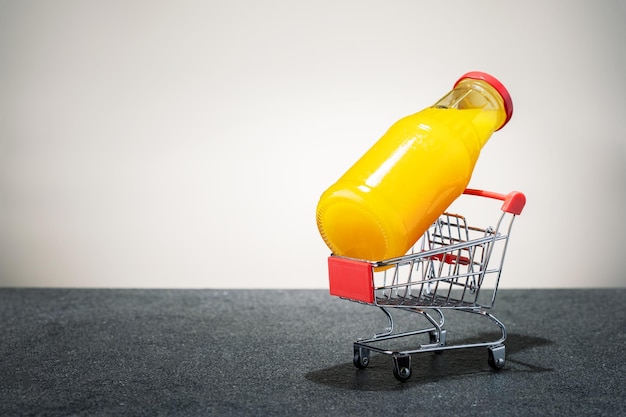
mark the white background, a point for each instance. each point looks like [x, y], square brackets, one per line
[186, 143]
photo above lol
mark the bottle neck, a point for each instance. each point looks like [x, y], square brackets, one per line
[479, 96]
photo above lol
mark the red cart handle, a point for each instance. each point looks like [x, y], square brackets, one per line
[513, 202]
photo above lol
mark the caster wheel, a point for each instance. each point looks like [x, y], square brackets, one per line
[361, 358]
[402, 367]
[497, 358]
[439, 340]
[402, 374]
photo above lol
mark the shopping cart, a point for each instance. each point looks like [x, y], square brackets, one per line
[453, 266]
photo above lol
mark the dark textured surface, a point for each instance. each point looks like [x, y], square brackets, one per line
[289, 353]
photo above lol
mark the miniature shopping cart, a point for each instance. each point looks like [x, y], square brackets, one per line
[453, 266]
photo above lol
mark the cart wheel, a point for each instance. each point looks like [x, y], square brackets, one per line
[496, 357]
[402, 374]
[442, 340]
[402, 367]
[361, 357]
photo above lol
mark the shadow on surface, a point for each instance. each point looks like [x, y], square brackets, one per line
[427, 367]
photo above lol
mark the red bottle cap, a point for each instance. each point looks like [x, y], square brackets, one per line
[500, 88]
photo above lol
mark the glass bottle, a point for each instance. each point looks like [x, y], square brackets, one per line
[384, 203]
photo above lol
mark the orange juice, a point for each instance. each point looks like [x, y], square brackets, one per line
[382, 205]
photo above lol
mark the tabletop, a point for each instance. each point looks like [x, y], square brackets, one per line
[289, 353]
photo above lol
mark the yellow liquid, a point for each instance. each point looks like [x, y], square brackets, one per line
[384, 203]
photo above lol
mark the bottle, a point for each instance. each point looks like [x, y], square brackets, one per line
[384, 203]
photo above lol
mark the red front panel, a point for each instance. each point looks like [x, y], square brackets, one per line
[350, 279]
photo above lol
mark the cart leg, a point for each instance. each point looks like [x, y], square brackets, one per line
[497, 357]
[361, 357]
[402, 367]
